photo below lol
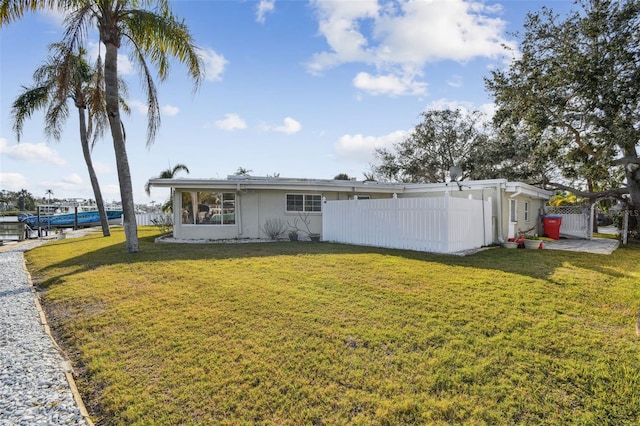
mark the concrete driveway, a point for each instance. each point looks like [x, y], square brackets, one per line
[595, 245]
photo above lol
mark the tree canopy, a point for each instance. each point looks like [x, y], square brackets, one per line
[444, 138]
[573, 90]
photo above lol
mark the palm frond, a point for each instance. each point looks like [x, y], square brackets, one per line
[153, 106]
[55, 118]
[25, 104]
[160, 35]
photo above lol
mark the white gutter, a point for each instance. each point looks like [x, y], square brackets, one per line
[518, 192]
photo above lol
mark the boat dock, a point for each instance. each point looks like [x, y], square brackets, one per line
[12, 231]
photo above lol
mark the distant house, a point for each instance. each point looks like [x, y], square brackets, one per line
[239, 206]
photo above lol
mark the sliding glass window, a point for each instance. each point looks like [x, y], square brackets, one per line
[209, 208]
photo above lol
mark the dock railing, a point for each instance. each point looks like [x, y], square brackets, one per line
[12, 231]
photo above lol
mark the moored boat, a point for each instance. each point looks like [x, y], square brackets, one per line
[85, 218]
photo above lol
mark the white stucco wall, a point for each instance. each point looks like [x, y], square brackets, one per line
[253, 209]
[255, 206]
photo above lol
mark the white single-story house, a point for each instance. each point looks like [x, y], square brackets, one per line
[239, 206]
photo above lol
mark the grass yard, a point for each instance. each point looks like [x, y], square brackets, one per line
[302, 333]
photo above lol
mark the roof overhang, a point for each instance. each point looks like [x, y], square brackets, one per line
[345, 186]
[279, 184]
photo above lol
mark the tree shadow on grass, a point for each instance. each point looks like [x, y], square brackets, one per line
[93, 251]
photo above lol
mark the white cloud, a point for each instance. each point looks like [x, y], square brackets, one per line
[214, 64]
[141, 108]
[110, 191]
[339, 23]
[465, 107]
[264, 7]
[101, 167]
[441, 104]
[72, 179]
[455, 81]
[361, 148]
[138, 106]
[400, 38]
[289, 127]
[55, 16]
[125, 66]
[488, 110]
[170, 110]
[13, 181]
[231, 122]
[31, 153]
[456, 30]
[392, 85]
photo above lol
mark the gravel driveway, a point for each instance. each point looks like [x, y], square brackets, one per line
[33, 386]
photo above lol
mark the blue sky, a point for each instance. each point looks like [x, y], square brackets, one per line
[305, 89]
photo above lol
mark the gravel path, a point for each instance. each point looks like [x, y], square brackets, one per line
[33, 386]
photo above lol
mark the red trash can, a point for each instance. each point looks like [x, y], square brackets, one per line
[552, 226]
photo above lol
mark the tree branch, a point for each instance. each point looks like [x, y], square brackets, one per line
[616, 193]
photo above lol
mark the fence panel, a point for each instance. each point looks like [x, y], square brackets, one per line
[575, 220]
[146, 219]
[441, 225]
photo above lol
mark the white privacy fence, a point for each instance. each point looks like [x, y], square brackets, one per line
[575, 220]
[147, 219]
[440, 225]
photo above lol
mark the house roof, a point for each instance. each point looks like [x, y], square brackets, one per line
[350, 186]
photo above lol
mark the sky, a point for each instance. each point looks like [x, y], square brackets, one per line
[299, 89]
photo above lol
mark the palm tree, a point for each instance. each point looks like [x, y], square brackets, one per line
[242, 171]
[153, 33]
[68, 76]
[167, 174]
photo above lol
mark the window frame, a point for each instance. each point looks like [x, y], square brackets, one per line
[526, 211]
[227, 206]
[513, 210]
[314, 201]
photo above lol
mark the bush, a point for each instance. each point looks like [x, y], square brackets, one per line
[274, 228]
[164, 223]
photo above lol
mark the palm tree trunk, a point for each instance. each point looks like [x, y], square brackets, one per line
[106, 232]
[122, 162]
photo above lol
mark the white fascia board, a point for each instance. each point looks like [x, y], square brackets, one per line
[530, 190]
[275, 184]
[443, 186]
[345, 186]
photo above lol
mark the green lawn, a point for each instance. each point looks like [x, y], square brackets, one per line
[304, 333]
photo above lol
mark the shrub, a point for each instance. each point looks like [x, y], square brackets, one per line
[274, 228]
[164, 223]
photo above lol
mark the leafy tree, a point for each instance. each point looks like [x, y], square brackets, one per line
[564, 198]
[341, 176]
[65, 76]
[153, 34]
[506, 154]
[25, 201]
[169, 173]
[443, 139]
[574, 90]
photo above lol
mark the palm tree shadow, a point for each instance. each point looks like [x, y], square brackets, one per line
[537, 264]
